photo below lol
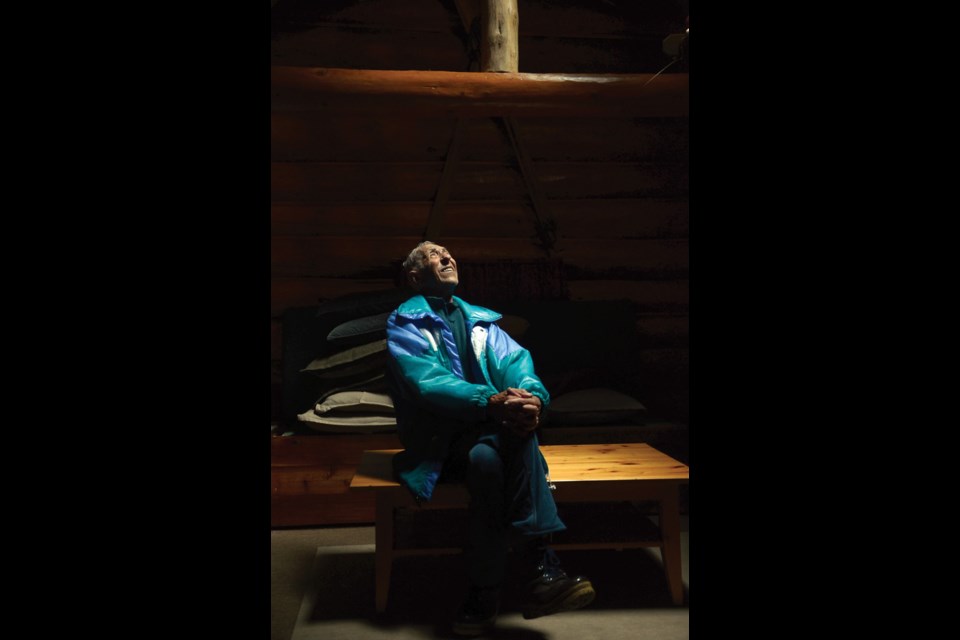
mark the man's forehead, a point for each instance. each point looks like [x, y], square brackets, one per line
[434, 247]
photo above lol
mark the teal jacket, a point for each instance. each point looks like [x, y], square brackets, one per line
[431, 395]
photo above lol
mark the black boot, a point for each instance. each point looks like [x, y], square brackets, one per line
[550, 590]
[478, 613]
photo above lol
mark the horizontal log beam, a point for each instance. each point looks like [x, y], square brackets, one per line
[478, 94]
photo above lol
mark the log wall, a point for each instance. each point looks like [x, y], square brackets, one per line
[564, 37]
[352, 195]
[358, 159]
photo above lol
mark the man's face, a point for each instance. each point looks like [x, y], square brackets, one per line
[439, 275]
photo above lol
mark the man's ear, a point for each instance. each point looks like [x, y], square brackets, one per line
[413, 279]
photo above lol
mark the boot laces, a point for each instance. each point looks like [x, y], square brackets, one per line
[550, 565]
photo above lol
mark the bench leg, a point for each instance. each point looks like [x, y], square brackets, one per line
[383, 554]
[670, 543]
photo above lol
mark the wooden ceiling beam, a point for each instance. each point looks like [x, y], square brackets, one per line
[478, 94]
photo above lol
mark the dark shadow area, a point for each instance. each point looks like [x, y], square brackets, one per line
[628, 579]
[344, 587]
[425, 591]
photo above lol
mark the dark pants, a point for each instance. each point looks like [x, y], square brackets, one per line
[510, 500]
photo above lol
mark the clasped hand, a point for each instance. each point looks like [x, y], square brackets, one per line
[516, 410]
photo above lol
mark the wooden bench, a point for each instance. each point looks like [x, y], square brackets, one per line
[632, 472]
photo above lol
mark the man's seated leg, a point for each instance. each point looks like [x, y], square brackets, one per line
[478, 613]
[487, 545]
[546, 588]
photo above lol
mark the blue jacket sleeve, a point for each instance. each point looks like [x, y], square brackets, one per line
[417, 366]
[510, 365]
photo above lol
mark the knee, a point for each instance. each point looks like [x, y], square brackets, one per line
[485, 461]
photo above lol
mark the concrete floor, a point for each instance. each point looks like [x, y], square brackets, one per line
[322, 587]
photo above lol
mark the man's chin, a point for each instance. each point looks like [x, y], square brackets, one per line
[439, 289]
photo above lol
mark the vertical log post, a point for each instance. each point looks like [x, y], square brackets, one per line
[500, 36]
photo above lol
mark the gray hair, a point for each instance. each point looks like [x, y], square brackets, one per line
[417, 258]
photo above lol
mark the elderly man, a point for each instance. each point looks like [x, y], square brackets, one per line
[468, 403]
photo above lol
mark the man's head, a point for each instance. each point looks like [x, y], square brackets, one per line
[431, 270]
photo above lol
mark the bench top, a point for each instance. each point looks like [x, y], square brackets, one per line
[567, 463]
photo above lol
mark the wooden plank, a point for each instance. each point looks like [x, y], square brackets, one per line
[468, 11]
[395, 218]
[495, 218]
[582, 218]
[567, 463]
[326, 449]
[328, 45]
[599, 20]
[331, 46]
[389, 46]
[440, 200]
[553, 36]
[302, 136]
[649, 295]
[310, 481]
[573, 54]
[373, 14]
[331, 257]
[612, 179]
[544, 225]
[622, 217]
[480, 180]
[299, 136]
[466, 94]
[349, 219]
[375, 470]
[314, 182]
[287, 293]
[606, 139]
[484, 140]
[572, 139]
[359, 181]
[655, 258]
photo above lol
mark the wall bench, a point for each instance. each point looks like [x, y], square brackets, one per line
[583, 473]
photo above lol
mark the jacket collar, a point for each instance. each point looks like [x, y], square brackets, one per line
[417, 307]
